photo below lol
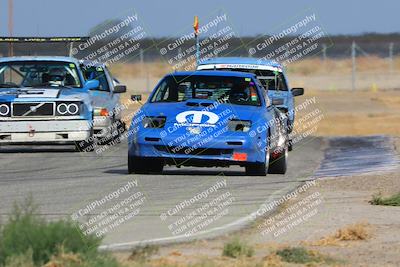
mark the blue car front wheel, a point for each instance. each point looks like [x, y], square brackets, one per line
[143, 165]
[258, 168]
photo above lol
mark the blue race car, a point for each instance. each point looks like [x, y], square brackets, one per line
[269, 72]
[208, 118]
[45, 100]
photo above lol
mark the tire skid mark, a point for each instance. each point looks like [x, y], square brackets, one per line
[358, 155]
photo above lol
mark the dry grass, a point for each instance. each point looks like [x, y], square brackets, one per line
[356, 113]
[354, 232]
[64, 259]
[130, 70]
[272, 260]
[373, 73]
[312, 66]
[143, 253]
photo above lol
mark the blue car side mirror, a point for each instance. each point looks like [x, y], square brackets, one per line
[92, 84]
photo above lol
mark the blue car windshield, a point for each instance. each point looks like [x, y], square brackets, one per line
[39, 74]
[226, 89]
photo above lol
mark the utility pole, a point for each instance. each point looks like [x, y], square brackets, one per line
[391, 56]
[324, 52]
[353, 61]
[71, 49]
[10, 26]
[141, 57]
[144, 70]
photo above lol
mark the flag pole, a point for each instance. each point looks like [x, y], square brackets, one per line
[196, 34]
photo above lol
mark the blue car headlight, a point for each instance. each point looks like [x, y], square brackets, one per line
[154, 122]
[239, 125]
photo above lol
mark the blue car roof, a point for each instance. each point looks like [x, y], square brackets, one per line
[214, 73]
[40, 58]
[240, 60]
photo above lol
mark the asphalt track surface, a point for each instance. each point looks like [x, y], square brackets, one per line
[63, 182]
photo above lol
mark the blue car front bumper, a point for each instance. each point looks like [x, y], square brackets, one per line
[230, 148]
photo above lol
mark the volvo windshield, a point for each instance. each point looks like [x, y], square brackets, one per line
[39, 74]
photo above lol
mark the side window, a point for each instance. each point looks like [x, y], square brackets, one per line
[162, 92]
[275, 83]
[97, 73]
[168, 91]
[110, 79]
[259, 84]
[281, 83]
[265, 92]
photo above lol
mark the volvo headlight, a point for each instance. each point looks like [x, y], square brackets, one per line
[5, 110]
[239, 125]
[68, 108]
[154, 122]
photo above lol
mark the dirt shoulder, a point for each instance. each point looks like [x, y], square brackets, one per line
[344, 202]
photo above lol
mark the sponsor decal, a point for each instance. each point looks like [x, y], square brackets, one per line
[196, 118]
[239, 66]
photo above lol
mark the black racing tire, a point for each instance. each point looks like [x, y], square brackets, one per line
[279, 164]
[121, 128]
[290, 145]
[114, 136]
[258, 169]
[142, 165]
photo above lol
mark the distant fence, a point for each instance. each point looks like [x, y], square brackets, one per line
[337, 47]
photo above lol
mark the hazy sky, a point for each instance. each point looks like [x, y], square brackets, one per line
[166, 18]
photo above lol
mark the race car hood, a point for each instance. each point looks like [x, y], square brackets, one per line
[43, 94]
